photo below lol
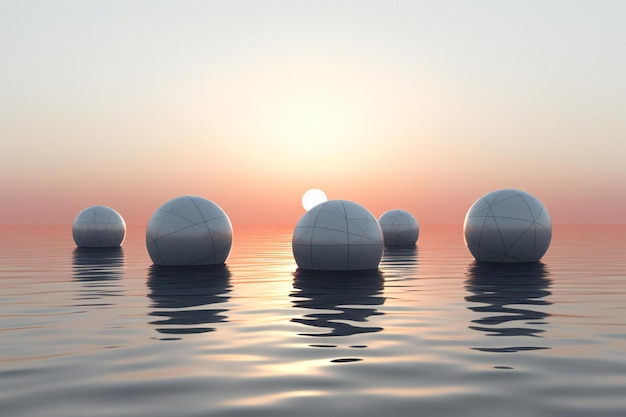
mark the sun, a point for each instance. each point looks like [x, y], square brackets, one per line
[312, 198]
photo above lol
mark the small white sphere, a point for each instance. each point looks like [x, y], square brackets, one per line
[337, 235]
[399, 227]
[189, 230]
[507, 226]
[98, 227]
[312, 198]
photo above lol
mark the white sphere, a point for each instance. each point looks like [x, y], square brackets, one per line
[189, 231]
[399, 228]
[337, 235]
[98, 227]
[507, 226]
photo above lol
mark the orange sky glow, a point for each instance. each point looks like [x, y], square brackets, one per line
[414, 106]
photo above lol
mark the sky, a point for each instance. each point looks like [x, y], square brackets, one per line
[418, 105]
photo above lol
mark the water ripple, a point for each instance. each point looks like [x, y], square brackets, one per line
[431, 332]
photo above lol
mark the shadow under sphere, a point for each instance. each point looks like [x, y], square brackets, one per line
[508, 293]
[98, 270]
[179, 294]
[351, 295]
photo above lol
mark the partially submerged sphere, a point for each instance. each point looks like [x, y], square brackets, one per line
[189, 231]
[337, 235]
[507, 226]
[399, 228]
[98, 227]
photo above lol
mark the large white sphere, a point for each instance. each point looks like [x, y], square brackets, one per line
[98, 227]
[189, 231]
[507, 226]
[337, 235]
[399, 228]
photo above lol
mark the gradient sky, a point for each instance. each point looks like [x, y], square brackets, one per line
[419, 105]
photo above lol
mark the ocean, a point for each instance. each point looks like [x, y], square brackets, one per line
[431, 333]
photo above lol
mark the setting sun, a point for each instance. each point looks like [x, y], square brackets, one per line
[312, 198]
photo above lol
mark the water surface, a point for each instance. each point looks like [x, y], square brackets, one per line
[106, 333]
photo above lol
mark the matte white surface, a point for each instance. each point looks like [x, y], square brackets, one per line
[98, 227]
[189, 230]
[337, 235]
[399, 228]
[507, 226]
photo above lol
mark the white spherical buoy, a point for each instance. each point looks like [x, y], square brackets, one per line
[399, 228]
[189, 231]
[507, 226]
[98, 227]
[337, 235]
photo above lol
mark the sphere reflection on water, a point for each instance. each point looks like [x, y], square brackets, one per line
[340, 303]
[511, 298]
[181, 295]
[400, 262]
[99, 271]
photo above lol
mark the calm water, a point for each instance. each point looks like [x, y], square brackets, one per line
[104, 333]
